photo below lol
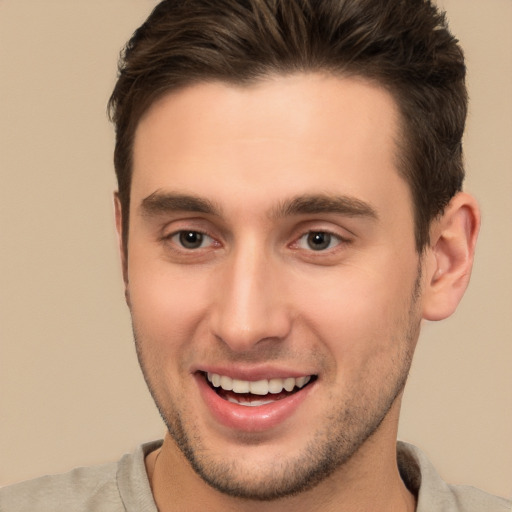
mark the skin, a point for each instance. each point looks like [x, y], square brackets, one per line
[255, 295]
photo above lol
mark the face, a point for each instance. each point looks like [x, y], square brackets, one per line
[272, 276]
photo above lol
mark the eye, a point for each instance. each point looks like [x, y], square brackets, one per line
[190, 240]
[318, 241]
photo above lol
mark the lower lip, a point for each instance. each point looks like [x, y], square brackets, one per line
[248, 418]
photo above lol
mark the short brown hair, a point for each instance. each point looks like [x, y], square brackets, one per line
[404, 45]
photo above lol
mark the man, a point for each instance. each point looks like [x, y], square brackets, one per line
[289, 210]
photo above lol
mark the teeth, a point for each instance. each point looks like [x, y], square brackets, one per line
[225, 383]
[275, 385]
[216, 380]
[239, 386]
[289, 384]
[258, 387]
[302, 381]
[254, 403]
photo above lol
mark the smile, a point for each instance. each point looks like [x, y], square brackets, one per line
[245, 392]
[254, 404]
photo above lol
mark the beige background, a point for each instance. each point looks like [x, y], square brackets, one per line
[71, 392]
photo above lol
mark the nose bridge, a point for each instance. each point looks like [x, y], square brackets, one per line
[249, 306]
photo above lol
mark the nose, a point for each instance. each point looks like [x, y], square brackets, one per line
[250, 301]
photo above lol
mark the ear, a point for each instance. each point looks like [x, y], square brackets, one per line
[119, 229]
[449, 258]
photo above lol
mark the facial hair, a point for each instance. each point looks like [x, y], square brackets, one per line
[351, 423]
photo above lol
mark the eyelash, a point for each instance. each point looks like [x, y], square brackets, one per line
[178, 244]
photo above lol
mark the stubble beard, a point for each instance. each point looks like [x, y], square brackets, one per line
[351, 424]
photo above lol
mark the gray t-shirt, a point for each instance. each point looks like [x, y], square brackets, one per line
[124, 487]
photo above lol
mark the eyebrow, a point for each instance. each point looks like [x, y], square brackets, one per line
[163, 202]
[325, 203]
[167, 202]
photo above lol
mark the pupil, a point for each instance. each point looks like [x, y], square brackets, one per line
[318, 241]
[191, 239]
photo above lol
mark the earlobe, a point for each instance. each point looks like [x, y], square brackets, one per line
[449, 259]
[120, 238]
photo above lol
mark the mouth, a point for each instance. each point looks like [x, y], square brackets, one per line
[256, 393]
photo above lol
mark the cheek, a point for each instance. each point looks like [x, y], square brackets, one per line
[166, 314]
[360, 311]
[165, 305]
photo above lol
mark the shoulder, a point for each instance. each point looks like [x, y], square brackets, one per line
[434, 494]
[471, 499]
[116, 487]
[81, 489]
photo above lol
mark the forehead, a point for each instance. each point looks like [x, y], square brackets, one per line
[282, 136]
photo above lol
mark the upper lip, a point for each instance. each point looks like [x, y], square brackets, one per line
[251, 373]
